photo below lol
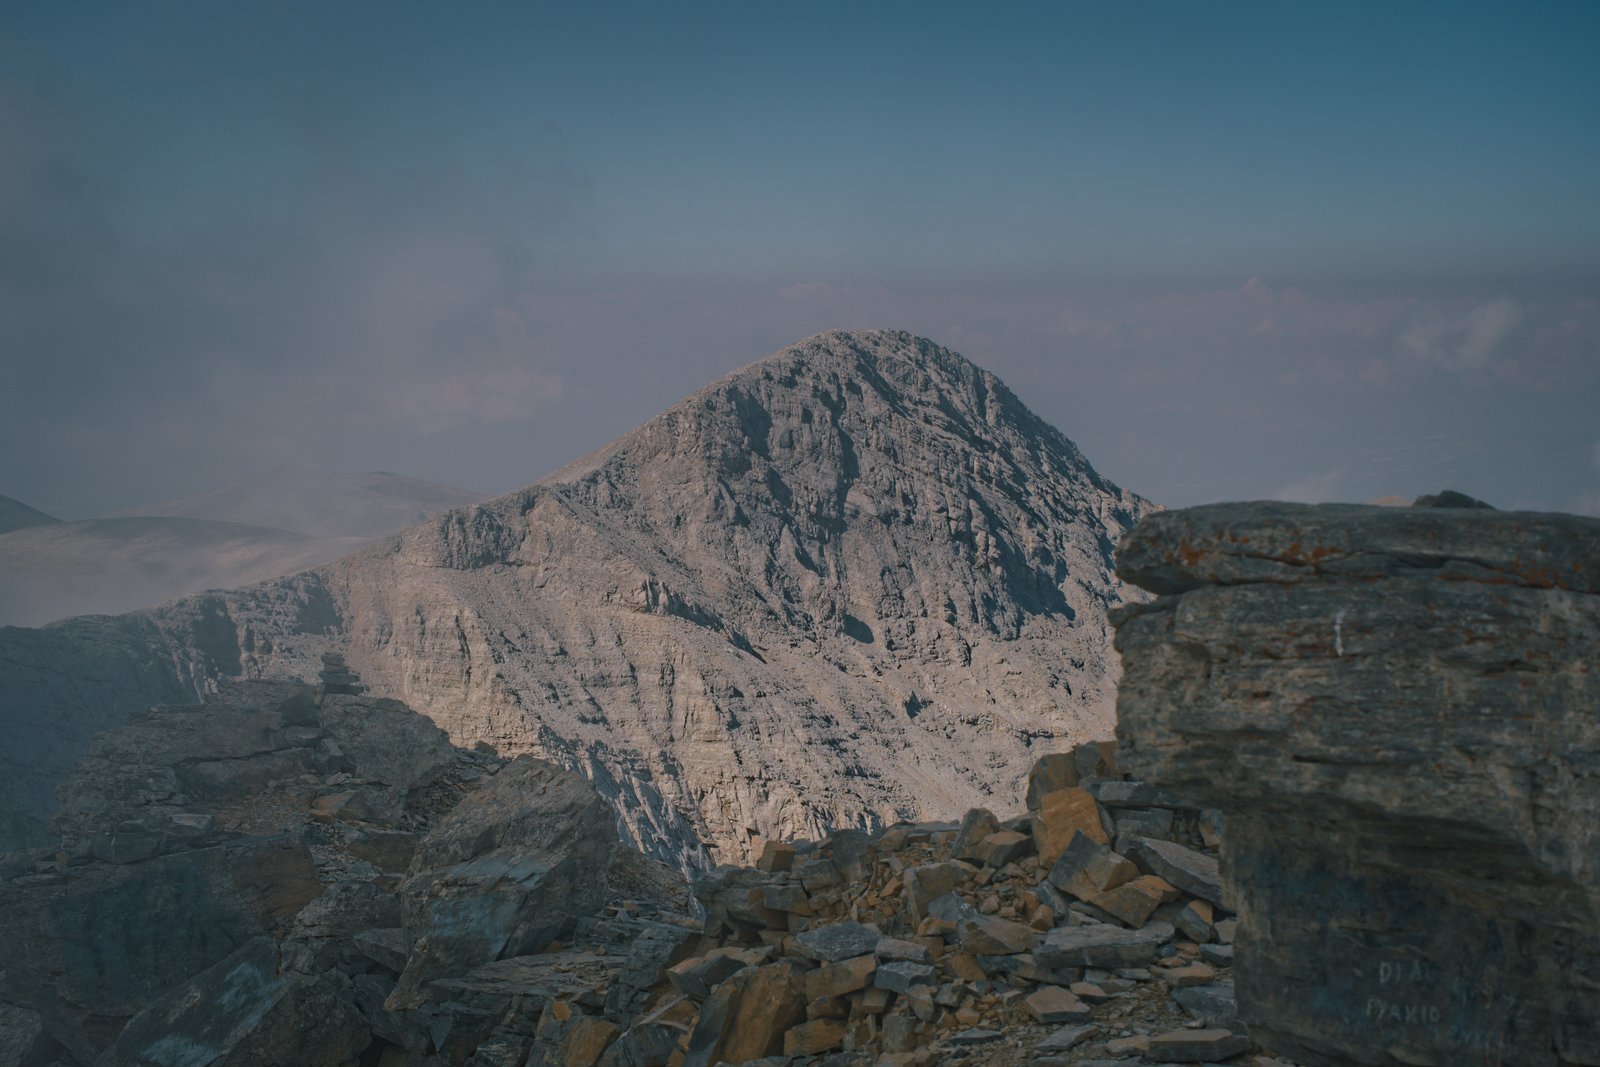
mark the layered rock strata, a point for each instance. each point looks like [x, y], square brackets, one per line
[1399, 710]
[856, 582]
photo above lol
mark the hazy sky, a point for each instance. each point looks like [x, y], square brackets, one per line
[1234, 250]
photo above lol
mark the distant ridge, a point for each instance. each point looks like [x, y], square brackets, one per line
[853, 582]
[320, 503]
[15, 515]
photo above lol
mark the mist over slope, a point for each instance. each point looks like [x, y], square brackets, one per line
[15, 515]
[277, 523]
[321, 503]
[855, 581]
[108, 566]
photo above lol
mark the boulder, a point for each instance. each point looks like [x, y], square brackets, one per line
[254, 1007]
[1393, 707]
[384, 741]
[747, 1017]
[1062, 814]
[505, 873]
[1104, 946]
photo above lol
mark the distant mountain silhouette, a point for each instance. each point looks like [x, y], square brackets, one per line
[15, 515]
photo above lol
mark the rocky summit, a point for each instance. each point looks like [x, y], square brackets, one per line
[856, 582]
[289, 875]
[1399, 711]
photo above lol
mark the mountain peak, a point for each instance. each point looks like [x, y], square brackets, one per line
[15, 515]
[854, 582]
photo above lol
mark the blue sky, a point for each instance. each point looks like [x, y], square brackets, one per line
[1234, 250]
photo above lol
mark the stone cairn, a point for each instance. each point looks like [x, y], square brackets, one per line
[1399, 712]
[338, 678]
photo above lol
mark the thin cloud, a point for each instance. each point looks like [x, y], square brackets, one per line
[1460, 342]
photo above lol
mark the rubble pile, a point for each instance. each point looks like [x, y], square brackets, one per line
[288, 875]
[1090, 928]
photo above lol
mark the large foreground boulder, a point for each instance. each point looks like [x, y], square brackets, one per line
[1399, 711]
[263, 1004]
[504, 874]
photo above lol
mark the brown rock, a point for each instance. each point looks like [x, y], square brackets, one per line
[1087, 868]
[1052, 1004]
[1060, 815]
[985, 935]
[746, 1017]
[1193, 974]
[837, 979]
[1001, 848]
[776, 856]
[818, 1035]
[927, 883]
[586, 1040]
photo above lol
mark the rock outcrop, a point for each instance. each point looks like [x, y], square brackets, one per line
[1399, 710]
[260, 880]
[853, 583]
[285, 875]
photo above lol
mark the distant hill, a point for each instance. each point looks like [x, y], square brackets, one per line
[320, 503]
[15, 515]
[105, 566]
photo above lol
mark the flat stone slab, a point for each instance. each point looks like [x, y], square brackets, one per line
[1103, 946]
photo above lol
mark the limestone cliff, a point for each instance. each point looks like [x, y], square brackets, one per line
[854, 582]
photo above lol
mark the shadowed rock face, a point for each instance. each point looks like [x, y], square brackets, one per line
[1400, 712]
[854, 582]
[250, 881]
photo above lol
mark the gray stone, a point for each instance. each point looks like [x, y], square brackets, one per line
[1196, 1046]
[1120, 794]
[1382, 703]
[974, 1036]
[892, 948]
[24, 1042]
[1102, 946]
[386, 947]
[252, 1008]
[1212, 1004]
[1068, 1037]
[925, 884]
[1193, 872]
[504, 873]
[386, 742]
[898, 976]
[978, 824]
[838, 941]
[124, 847]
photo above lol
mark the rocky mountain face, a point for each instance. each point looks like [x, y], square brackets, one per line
[853, 583]
[1397, 709]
